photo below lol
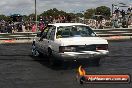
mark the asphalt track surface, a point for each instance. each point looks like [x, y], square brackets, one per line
[18, 69]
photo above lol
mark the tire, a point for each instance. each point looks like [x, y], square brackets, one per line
[35, 52]
[97, 62]
[51, 59]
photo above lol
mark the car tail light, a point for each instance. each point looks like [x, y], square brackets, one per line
[63, 49]
[102, 47]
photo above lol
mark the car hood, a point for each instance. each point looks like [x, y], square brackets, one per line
[81, 41]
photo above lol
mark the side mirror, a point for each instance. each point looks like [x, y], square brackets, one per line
[39, 34]
[44, 35]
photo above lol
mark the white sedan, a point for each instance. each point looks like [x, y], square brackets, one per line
[69, 42]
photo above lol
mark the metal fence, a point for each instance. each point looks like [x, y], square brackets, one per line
[99, 32]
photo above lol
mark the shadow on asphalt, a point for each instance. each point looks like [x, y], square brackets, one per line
[64, 65]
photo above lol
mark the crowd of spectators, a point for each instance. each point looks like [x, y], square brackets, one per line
[30, 25]
[99, 24]
[119, 16]
[5, 27]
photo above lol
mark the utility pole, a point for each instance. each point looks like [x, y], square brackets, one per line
[83, 16]
[36, 14]
[112, 10]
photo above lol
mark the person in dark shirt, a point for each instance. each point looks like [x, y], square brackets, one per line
[123, 13]
[128, 10]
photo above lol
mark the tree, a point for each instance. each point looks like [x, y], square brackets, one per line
[25, 18]
[72, 15]
[103, 10]
[3, 17]
[89, 13]
[79, 15]
[53, 12]
[31, 17]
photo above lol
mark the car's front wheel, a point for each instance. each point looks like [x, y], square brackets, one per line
[34, 51]
[50, 57]
[52, 60]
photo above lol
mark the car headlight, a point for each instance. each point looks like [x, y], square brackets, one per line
[63, 49]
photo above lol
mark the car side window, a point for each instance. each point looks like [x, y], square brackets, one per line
[51, 33]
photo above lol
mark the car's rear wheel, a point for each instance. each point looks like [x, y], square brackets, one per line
[35, 52]
[96, 62]
[51, 59]
[53, 62]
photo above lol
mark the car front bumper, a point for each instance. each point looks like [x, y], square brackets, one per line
[82, 55]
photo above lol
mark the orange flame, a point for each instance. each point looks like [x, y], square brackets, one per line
[81, 71]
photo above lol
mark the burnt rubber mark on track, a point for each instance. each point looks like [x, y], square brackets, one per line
[38, 57]
[15, 55]
[118, 56]
[22, 58]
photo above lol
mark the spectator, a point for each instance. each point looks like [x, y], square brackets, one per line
[33, 27]
[63, 19]
[69, 18]
[114, 21]
[123, 13]
[50, 19]
[23, 28]
[19, 27]
[128, 10]
[117, 12]
[103, 22]
[2, 28]
[129, 20]
[41, 25]
[9, 28]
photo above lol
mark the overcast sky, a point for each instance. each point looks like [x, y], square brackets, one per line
[26, 7]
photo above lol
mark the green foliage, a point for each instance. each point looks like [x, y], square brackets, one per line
[103, 10]
[25, 17]
[79, 15]
[32, 15]
[3, 17]
[53, 12]
[72, 15]
[89, 13]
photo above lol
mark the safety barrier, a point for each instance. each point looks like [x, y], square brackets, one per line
[17, 36]
[117, 33]
[114, 32]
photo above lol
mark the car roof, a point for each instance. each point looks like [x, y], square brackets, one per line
[66, 24]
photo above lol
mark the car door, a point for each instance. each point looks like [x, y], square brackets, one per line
[46, 42]
[50, 38]
[37, 40]
[42, 40]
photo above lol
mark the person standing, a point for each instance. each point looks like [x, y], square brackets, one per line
[33, 27]
[23, 28]
[114, 21]
[41, 25]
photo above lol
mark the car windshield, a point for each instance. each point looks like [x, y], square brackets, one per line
[74, 31]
